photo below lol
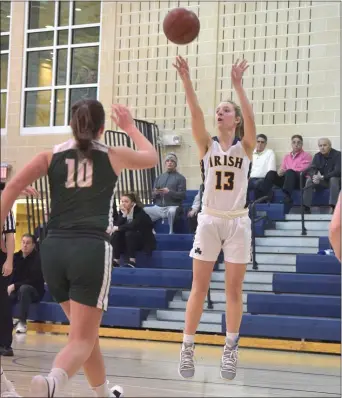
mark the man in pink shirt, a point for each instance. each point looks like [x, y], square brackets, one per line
[287, 177]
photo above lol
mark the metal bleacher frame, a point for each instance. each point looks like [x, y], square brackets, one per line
[139, 181]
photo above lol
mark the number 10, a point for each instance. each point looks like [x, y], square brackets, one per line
[84, 177]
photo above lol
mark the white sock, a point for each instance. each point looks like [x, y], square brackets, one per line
[102, 390]
[3, 378]
[60, 376]
[188, 338]
[232, 338]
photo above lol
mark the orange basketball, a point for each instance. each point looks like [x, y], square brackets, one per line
[181, 26]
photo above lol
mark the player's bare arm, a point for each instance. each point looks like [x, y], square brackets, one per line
[249, 139]
[126, 158]
[335, 230]
[38, 167]
[199, 132]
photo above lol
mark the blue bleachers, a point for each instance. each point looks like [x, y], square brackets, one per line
[289, 327]
[294, 304]
[115, 316]
[320, 198]
[179, 242]
[307, 284]
[323, 243]
[165, 259]
[140, 297]
[275, 211]
[317, 264]
[172, 278]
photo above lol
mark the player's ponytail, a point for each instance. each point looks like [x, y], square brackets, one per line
[239, 131]
[86, 123]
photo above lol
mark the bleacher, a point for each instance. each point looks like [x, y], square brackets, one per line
[295, 294]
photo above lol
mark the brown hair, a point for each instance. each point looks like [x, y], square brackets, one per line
[239, 131]
[32, 237]
[297, 136]
[133, 197]
[87, 117]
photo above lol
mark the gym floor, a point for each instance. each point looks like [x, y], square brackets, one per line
[149, 369]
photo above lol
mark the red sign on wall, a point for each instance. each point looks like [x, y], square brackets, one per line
[5, 167]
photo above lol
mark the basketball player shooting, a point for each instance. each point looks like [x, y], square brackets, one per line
[223, 223]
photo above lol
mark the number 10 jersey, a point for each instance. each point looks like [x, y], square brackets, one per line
[225, 177]
[82, 190]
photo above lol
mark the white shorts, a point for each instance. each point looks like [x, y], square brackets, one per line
[233, 236]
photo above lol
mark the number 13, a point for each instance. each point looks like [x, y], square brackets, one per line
[229, 181]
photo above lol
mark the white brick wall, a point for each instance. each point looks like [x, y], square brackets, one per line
[293, 80]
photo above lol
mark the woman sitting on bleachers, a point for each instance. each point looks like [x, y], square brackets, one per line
[133, 231]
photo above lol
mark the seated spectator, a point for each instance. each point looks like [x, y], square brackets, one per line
[133, 231]
[326, 173]
[27, 282]
[288, 176]
[169, 192]
[195, 209]
[263, 161]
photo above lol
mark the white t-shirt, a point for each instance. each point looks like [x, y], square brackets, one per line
[262, 163]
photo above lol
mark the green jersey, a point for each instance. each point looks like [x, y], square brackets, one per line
[82, 190]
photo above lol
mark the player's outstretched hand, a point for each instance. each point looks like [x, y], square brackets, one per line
[122, 116]
[182, 67]
[30, 191]
[237, 72]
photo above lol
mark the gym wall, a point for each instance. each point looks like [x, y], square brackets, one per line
[293, 81]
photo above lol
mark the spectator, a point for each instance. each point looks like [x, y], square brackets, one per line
[133, 231]
[326, 173]
[195, 209]
[263, 161]
[27, 282]
[169, 192]
[287, 177]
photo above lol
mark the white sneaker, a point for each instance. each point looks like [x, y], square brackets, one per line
[186, 368]
[42, 386]
[21, 327]
[117, 392]
[8, 390]
[114, 392]
[229, 362]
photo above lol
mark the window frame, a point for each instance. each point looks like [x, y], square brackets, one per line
[54, 48]
[3, 131]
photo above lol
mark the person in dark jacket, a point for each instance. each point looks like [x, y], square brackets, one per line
[27, 282]
[326, 173]
[133, 231]
[168, 193]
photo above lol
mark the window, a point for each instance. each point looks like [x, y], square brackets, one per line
[62, 59]
[5, 22]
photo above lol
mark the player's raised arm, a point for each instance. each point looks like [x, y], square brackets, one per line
[249, 138]
[199, 132]
[335, 230]
[144, 157]
[37, 168]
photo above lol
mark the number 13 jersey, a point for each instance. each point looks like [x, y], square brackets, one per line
[225, 177]
[81, 190]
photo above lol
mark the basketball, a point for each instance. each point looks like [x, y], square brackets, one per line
[181, 26]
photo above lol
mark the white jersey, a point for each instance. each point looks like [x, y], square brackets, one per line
[225, 175]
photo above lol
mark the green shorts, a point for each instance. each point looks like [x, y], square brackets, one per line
[77, 267]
